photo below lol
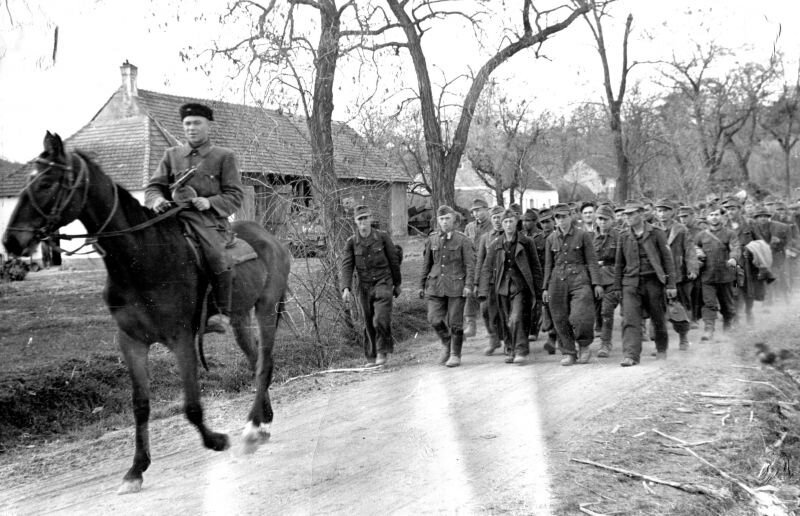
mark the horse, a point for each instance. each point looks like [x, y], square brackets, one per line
[155, 286]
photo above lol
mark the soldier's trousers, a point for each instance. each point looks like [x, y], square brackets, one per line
[536, 317]
[375, 301]
[572, 309]
[718, 297]
[608, 303]
[446, 315]
[649, 295]
[491, 317]
[513, 308]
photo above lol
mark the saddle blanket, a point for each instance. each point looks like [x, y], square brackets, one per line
[240, 252]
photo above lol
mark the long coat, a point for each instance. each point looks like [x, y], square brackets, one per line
[526, 258]
[683, 252]
[626, 268]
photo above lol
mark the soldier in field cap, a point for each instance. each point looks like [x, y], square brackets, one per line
[372, 255]
[474, 230]
[448, 270]
[205, 178]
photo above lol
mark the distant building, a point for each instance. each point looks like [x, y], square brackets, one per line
[581, 173]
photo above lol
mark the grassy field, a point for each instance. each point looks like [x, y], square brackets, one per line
[61, 372]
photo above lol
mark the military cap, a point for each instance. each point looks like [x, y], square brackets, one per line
[731, 202]
[516, 207]
[496, 210]
[194, 109]
[665, 203]
[445, 210]
[715, 207]
[644, 201]
[545, 214]
[478, 204]
[761, 211]
[361, 211]
[633, 206]
[510, 214]
[561, 209]
[780, 205]
[619, 209]
[686, 208]
[605, 211]
[531, 214]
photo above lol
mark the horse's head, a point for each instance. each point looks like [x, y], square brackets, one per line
[52, 198]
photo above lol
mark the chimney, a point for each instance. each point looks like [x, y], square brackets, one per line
[129, 89]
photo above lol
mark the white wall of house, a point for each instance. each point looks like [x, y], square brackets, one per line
[537, 199]
[7, 205]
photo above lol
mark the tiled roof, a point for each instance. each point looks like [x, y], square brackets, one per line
[266, 141]
[119, 146]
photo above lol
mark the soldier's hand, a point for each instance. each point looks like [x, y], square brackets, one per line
[598, 291]
[672, 293]
[545, 296]
[775, 240]
[397, 290]
[161, 205]
[467, 292]
[346, 296]
[201, 203]
[692, 275]
[421, 293]
[731, 262]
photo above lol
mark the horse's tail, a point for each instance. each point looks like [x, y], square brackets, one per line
[281, 308]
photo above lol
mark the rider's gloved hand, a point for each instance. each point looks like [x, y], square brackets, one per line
[161, 205]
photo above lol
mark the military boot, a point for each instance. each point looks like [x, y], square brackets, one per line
[683, 345]
[223, 291]
[470, 328]
[444, 336]
[494, 343]
[605, 350]
[455, 349]
[550, 345]
[708, 332]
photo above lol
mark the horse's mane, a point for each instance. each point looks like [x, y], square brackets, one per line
[133, 209]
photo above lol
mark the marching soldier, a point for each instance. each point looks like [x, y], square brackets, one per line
[643, 269]
[512, 272]
[571, 282]
[447, 280]
[206, 179]
[548, 226]
[474, 231]
[373, 256]
[488, 307]
[605, 247]
[530, 228]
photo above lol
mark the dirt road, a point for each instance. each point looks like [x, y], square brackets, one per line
[413, 438]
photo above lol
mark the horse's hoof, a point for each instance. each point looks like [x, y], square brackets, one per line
[130, 486]
[253, 437]
[217, 442]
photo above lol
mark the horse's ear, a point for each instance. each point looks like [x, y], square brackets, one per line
[53, 145]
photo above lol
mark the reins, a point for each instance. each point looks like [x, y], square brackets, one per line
[61, 204]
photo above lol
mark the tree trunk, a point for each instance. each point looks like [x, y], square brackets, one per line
[787, 171]
[622, 188]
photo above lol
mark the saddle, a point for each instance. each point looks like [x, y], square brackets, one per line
[237, 251]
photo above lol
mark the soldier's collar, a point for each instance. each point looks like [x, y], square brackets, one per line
[202, 150]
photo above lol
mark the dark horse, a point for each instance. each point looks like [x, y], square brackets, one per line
[154, 286]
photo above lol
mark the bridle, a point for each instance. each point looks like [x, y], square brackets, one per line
[63, 200]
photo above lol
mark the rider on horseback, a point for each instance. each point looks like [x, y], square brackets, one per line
[205, 178]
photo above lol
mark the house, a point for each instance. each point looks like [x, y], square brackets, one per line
[130, 133]
[539, 193]
[601, 185]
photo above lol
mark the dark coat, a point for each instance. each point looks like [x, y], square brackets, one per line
[719, 246]
[571, 255]
[605, 247]
[527, 261]
[626, 268]
[684, 255]
[448, 265]
[480, 253]
[373, 258]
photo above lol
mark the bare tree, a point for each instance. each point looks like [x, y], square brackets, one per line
[782, 121]
[414, 18]
[594, 19]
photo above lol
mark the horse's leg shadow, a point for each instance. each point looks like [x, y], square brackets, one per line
[135, 354]
[187, 363]
[257, 430]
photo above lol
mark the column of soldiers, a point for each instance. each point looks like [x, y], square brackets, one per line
[563, 271]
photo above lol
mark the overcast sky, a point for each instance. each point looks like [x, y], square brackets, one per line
[96, 36]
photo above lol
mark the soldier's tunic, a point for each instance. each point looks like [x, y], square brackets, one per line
[569, 275]
[448, 265]
[719, 245]
[605, 247]
[684, 257]
[474, 232]
[375, 261]
[489, 308]
[216, 177]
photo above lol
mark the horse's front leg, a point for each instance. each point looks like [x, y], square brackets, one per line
[257, 429]
[135, 354]
[187, 363]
